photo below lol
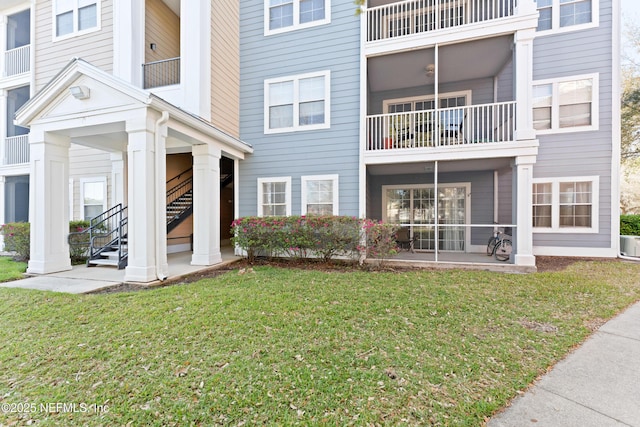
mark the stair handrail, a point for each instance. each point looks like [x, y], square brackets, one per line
[184, 172]
[106, 226]
[179, 190]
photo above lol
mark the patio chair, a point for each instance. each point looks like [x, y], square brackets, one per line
[404, 239]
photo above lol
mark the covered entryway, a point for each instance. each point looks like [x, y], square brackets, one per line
[85, 106]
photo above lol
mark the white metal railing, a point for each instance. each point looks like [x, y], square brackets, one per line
[17, 61]
[16, 150]
[471, 125]
[419, 16]
[161, 73]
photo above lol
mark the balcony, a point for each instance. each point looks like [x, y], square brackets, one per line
[16, 150]
[165, 72]
[448, 127]
[17, 61]
[410, 17]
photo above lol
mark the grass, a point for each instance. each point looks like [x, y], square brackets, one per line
[299, 347]
[11, 270]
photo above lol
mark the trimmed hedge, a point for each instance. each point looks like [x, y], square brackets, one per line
[630, 225]
[17, 239]
[324, 237]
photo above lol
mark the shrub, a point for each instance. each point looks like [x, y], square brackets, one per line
[630, 225]
[17, 239]
[381, 240]
[324, 237]
[78, 241]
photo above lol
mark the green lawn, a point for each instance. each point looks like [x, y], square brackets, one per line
[11, 270]
[286, 347]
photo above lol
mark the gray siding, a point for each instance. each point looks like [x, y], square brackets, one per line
[580, 153]
[295, 154]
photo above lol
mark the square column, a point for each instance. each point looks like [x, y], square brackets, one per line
[206, 205]
[141, 177]
[118, 179]
[523, 82]
[522, 199]
[49, 202]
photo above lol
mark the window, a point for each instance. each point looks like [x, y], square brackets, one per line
[74, 17]
[274, 196]
[563, 15]
[320, 195]
[562, 105]
[566, 205]
[93, 196]
[286, 15]
[297, 103]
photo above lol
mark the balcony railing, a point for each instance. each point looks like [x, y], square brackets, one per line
[16, 150]
[421, 16]
[17, 61]
[161, 73]
[458, 126]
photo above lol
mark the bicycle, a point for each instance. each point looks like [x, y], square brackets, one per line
[499, 245]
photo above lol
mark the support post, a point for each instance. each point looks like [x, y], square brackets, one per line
[523, 82]
[522, 188]
[49, 202]
[206, 205]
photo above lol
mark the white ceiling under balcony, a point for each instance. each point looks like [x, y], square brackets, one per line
[174, 5]
[457, 62]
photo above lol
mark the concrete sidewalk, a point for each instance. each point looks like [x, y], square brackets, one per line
[597, 385]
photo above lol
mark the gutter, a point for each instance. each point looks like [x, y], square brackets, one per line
[161, 275]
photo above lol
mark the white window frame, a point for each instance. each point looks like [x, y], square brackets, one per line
[555, 104]
[284, 179]
[91, 180]
[555, 20]
[296, 102]
[75, 31]
[413, 99]
[334, 178]
[555, 205]
[296, 18]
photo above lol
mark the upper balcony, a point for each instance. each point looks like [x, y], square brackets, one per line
[17, 56]
[451, 19]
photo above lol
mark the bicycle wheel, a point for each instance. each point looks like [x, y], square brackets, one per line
[503, 250]
[491, 246]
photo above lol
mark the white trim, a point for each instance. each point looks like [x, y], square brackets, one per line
[335, 190]
[555, 106]
[466, 93]
[182, 247]
[296, 19]
[616, 128]
[571, 251]
[296, 102]
[287, 181]
[75, 31]
[71, 196]
[555, 205]
[555, 20]
[94, 179]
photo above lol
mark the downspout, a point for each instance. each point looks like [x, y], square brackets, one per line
[160, 195]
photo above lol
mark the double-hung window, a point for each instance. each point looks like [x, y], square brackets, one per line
[274, 196]
[566, 205]
[563, 15]
[320, 195]
[287, 15]
[566, 105]
[93, 196]
[72, 17]
[297, 103]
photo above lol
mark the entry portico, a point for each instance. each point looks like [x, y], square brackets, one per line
[87, 106]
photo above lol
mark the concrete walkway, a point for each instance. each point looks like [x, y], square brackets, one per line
[598, 385]
[81, 279]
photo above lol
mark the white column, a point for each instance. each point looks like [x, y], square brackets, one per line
[206, 205]
[195, 57]
[117, 179]
[4, 128]
[141, 239]
[3, 208]
[4, 20]
[523, 83]
[522, 188]
[49, 202]
[128, 40]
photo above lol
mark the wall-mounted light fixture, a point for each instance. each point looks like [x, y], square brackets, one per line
[80, 92]
[153, 47]
[430, 69]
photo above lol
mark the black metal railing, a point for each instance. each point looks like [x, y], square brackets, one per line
[165, 72]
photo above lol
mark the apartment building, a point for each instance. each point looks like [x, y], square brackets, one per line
[131, 111]
[167, 119]
[445, 116]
